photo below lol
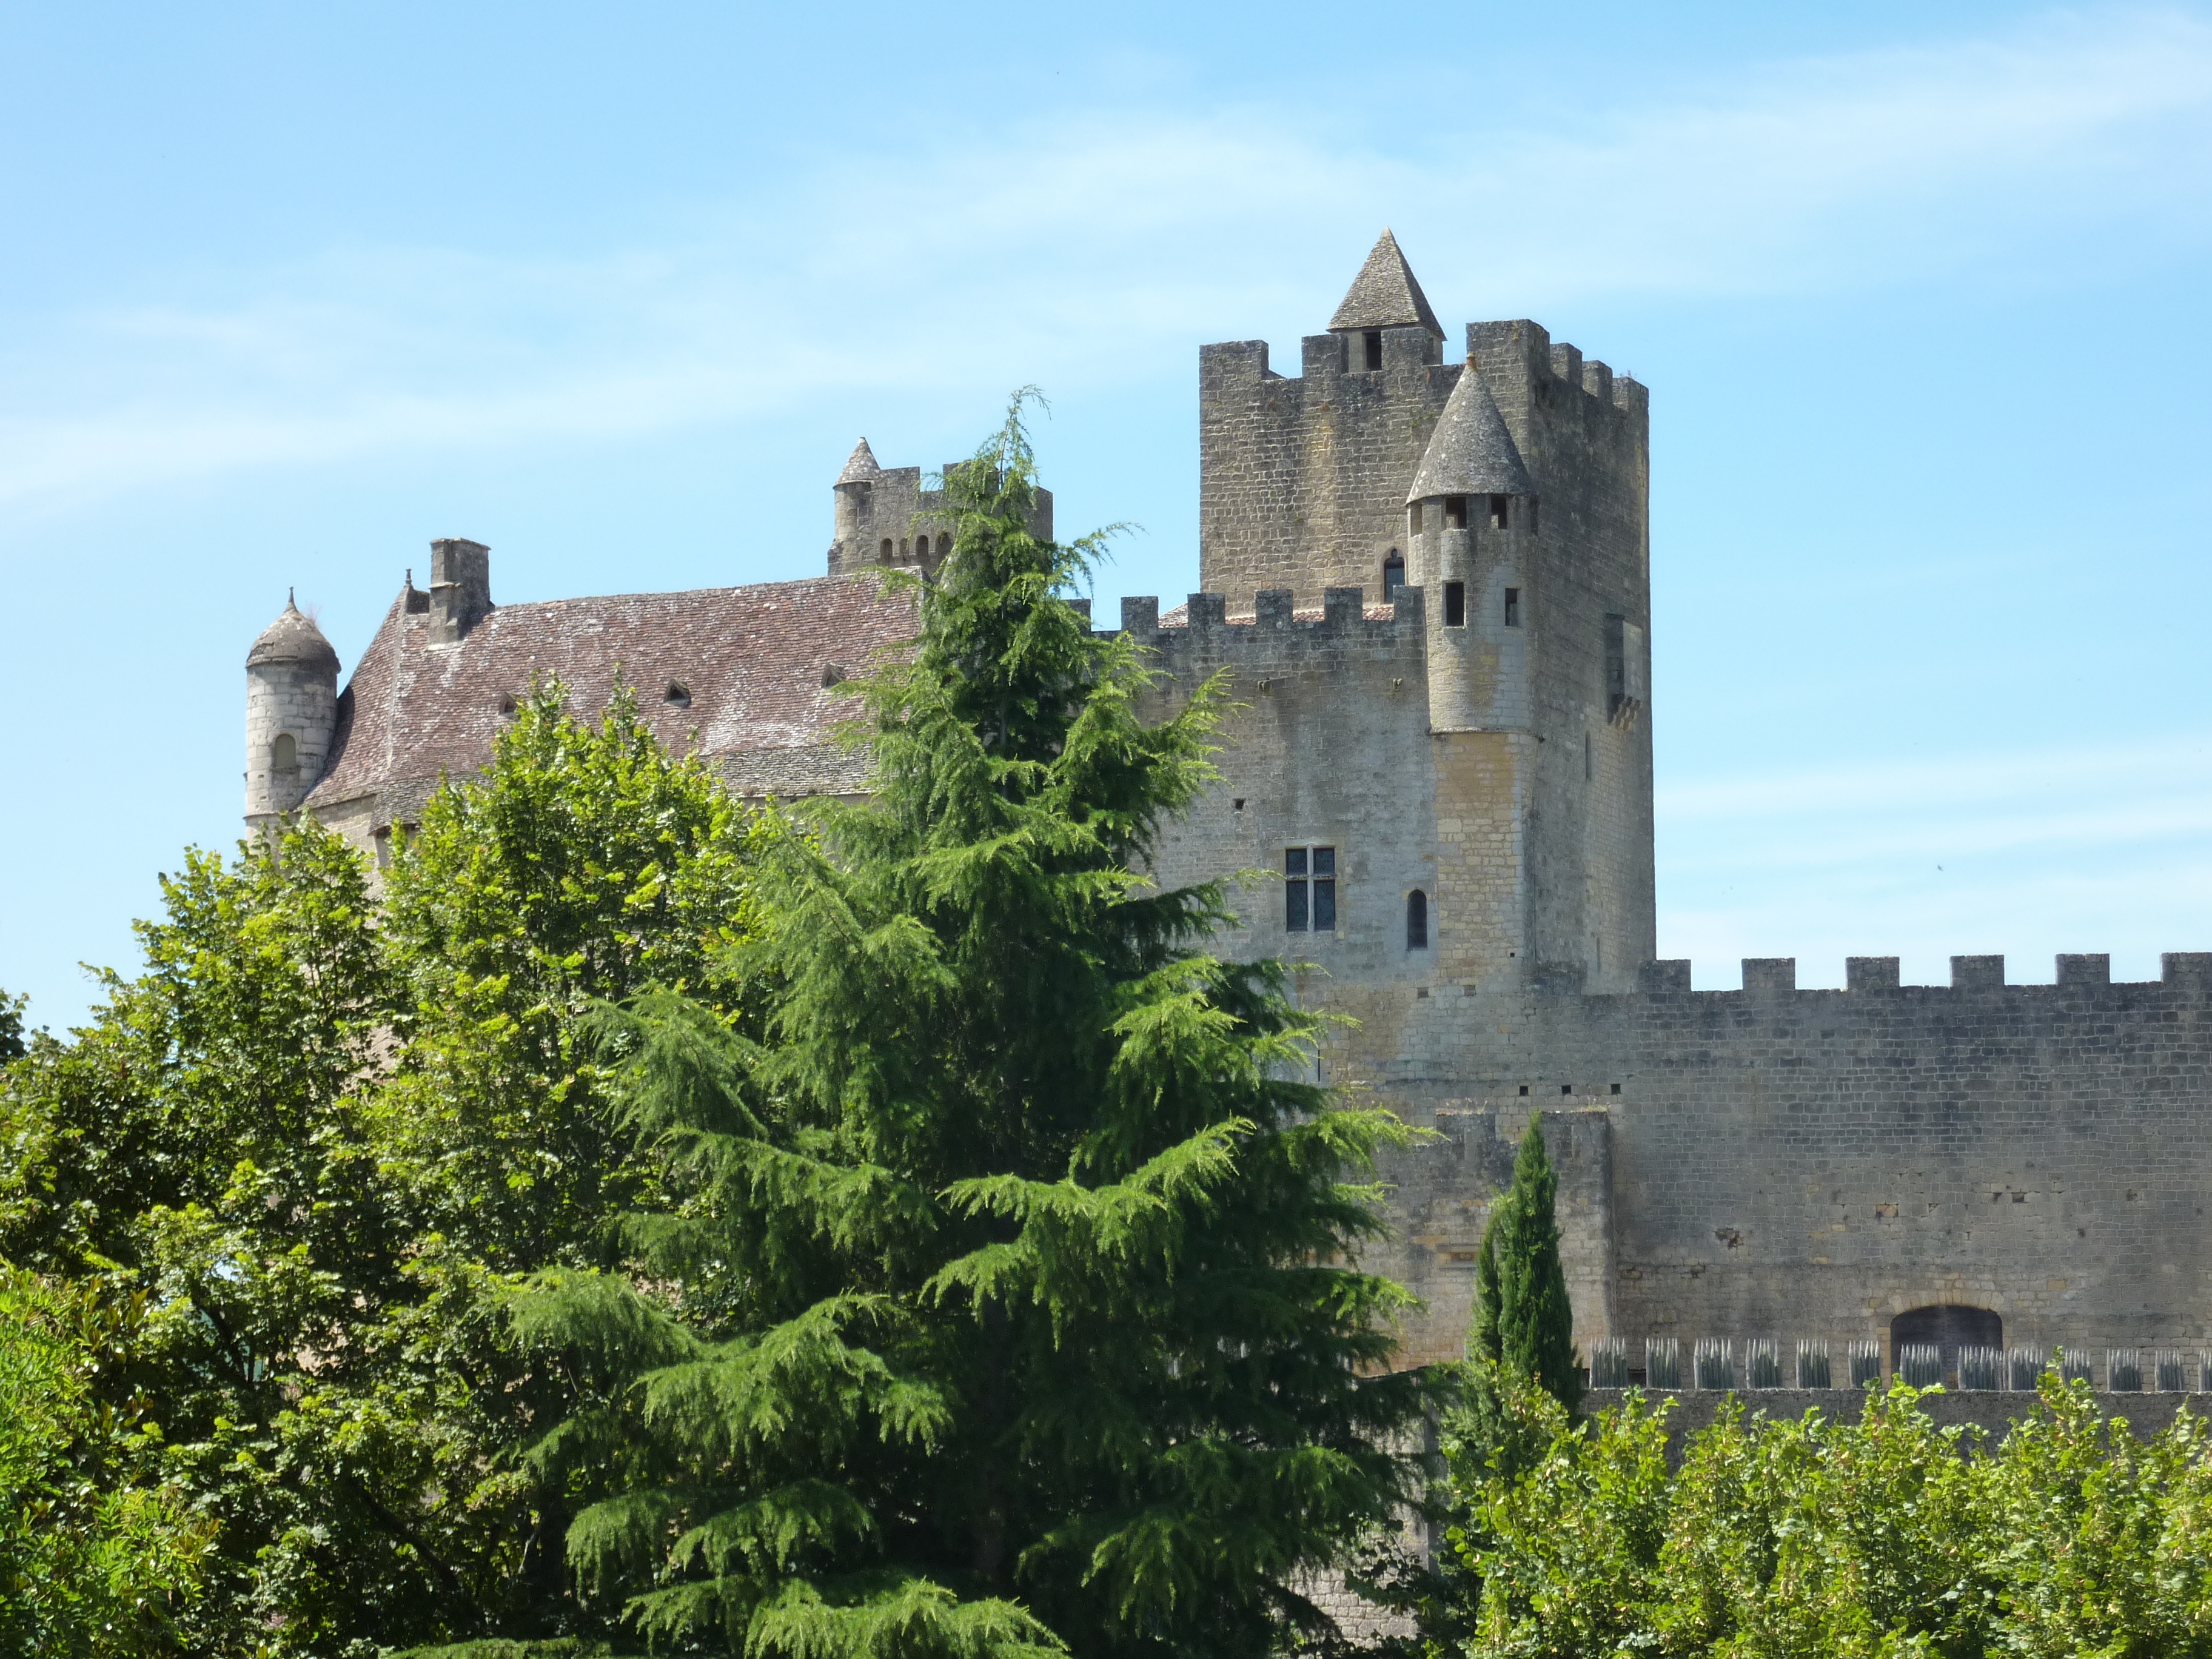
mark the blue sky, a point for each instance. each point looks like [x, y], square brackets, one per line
[1919, 292]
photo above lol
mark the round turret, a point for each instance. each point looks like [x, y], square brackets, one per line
[291, 714]
[1467, 512]
[850, 518]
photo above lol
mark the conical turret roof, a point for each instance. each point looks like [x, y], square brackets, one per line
[861, 468]
[1384, 295]
[1471, 452]
[292, 638]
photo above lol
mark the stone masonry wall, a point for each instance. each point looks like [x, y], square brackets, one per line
[1331, 748]
[1584, 436]
[1303, 480]
[1812, 1163]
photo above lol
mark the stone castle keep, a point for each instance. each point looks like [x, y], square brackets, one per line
[1431, 582]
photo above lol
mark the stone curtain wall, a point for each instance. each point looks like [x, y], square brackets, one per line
[1812, 1162]
[1330, 748]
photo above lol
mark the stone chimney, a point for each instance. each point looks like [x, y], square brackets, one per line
[461, 588]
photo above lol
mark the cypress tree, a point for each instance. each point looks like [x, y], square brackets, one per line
[1482, 1339]
[1003, 1305]
[1534, 1322]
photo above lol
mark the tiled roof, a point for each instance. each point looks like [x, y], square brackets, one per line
[1385, 295]
[753, 660]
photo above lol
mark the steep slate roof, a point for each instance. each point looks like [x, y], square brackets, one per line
[1471, 452]
[1385, 295]
[293, 638]
[753, 660]
[860, 466]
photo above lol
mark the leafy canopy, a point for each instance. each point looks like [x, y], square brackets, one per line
[320, 1136]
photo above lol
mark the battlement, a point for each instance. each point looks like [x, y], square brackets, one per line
[883, 518]
[1520, 350]
[1513, 349]
[1274, 613]
[1769, 977]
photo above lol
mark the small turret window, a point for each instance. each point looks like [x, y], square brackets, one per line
[1455, 604]
[1393, 575]
[1501, 510]
[1413, 519]
[1513, 607]
[1417, 921]
[1455, 511]
[1372, 341]
[284, 753]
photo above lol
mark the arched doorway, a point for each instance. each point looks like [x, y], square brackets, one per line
[1950, 1327]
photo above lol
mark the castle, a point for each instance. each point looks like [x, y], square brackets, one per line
[1430, 581]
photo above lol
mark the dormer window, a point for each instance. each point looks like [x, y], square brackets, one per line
[1371, 344]
[1455, 511]
[1500, 509]
[1393, 575]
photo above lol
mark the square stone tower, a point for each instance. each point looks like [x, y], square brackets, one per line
[1514, 489]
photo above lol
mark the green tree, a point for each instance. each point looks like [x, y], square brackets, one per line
[11, 1028]
[322, 1136]
[1879, 1536]
[1000, 1302]
[97, 1554]
[1530, 1321]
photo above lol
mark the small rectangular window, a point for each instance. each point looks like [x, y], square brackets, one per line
[1513, 607]
[1455, 511]
[1500, 509]
[1455, 604]
[1308, 889]
[1415, 518]
[1374, 340]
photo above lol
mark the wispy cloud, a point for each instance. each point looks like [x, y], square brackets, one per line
[1083, 252]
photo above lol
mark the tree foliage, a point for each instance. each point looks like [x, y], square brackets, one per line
[1526, 1323]
[1820, 1536]
[997, 1302]
[94, 1561]
[320, 1136]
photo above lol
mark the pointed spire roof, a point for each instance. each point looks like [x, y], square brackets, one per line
[1471, 452]
[861, 468]
[1384, 295]
[292, 638]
